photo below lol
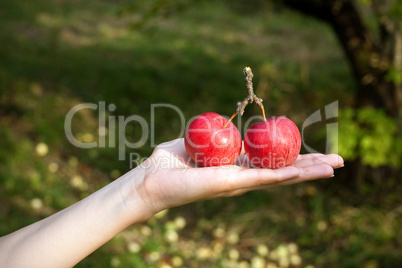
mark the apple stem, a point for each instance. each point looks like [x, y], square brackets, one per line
[251, 97]
[231, 118]
[263, 112]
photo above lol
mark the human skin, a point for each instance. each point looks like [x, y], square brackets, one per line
[168, 178]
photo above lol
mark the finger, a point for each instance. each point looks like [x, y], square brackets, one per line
[262, 179]
[265, 186]
[265, 179]
[333, 160]
[316, 171]
[233, 179]
[310, 173]
[308, 156]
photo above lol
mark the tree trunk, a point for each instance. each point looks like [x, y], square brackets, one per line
[369, 61]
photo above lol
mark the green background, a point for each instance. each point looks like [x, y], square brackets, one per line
[57, 54]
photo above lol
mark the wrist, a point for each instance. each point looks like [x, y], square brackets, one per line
[134, 199]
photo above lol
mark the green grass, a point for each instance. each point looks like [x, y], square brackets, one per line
[57, 54]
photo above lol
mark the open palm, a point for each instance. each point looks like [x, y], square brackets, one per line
[173, 178]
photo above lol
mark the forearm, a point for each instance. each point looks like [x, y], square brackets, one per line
[65, 238]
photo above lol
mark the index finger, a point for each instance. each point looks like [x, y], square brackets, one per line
[238, 177]
[333, 160]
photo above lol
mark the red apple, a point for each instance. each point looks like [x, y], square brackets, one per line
[210, 142]
[274, 143]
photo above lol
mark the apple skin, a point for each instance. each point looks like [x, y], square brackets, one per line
[274, 143]
[209, 143]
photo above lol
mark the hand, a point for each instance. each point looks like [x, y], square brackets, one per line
[166, 179]
[172, 179]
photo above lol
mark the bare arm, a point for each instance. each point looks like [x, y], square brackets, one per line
[65, 238]
[167, 179]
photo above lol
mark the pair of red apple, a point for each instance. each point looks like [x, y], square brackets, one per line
[212, 140]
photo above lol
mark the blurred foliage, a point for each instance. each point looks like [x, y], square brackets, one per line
[57, 54]
[395, 76]
[371, 135]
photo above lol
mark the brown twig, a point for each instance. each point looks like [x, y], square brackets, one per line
[251, 97]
